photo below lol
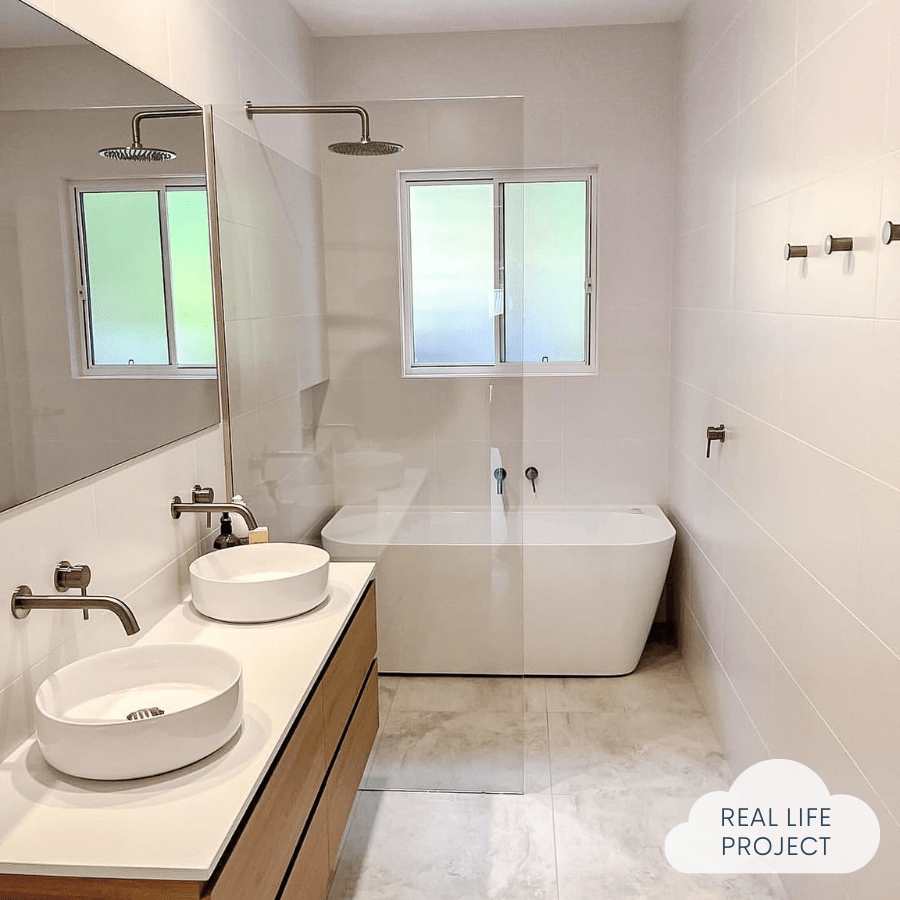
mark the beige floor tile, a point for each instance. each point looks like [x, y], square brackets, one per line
[659, 682]
[452, 693]
[412, 846]
[610, 844]
[448, 751]
[622, 749]
[387, 688]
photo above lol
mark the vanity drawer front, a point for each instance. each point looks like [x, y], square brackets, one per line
[258, 860]
[347, 671]
[310, 873]
[347, 772]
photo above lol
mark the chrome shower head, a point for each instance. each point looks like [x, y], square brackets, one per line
[365, 148]
[138, 153]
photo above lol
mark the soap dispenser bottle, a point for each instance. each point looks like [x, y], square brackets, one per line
[226, 538]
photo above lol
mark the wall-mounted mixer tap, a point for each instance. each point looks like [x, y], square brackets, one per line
[66, 576]
[499, 477]
[531, 473]
[202, 502]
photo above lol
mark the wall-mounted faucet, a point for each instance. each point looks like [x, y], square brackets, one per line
[714, 433]
[531, 473]
[202, 502]
[499, 477]
[66, 576]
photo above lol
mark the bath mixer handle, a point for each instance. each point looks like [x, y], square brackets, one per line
[499, 476]
[531, 473]
[714, 433]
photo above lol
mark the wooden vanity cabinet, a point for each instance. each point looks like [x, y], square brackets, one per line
[286, 845]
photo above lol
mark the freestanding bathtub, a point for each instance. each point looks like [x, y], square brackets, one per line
[543, 592]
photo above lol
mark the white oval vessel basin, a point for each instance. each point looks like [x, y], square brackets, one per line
[184, 702]
[259, 582]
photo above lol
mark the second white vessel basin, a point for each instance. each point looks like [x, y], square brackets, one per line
[259, 582]
[139, 711]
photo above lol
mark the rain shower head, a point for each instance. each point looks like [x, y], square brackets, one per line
[365, 146]
[137, 152]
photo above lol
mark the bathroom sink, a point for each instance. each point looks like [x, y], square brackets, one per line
[259, 582]
[139, 711]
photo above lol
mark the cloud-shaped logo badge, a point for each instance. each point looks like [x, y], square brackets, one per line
[777, 817]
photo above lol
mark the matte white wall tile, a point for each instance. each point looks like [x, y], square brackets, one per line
[203, 52]
[839, 115]
[758, 364]
[701, 348]
[876, 601]
[765, 170]
[760, 270]
[845, 205]
[704, 267]
[820, 519]
[818, 19]
[828, 383]
[633, 342]
[711, 91]
[707, 184]
[768, 45]
[134, 30]
[748, 658]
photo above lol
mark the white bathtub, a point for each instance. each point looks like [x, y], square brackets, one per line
[544, 592]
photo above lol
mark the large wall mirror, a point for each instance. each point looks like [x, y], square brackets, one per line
[107, 329]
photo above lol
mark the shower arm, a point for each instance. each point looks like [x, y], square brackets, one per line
[174, 113]
[313, 110]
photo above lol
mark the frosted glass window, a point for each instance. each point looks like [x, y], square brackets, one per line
[451, 239]
[146, 280]
[123, 257]
[545, 264]
[498, 271]
[195, 341]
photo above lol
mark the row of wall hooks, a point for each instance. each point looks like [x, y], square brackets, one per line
[890, 232]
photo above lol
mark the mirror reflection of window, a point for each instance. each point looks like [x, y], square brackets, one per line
[145, 279]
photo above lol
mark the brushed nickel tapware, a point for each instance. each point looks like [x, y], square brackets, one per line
[67, 576]
[531, 473]
[714, 433]
[137, 152]
[365, 146]
[202, 502]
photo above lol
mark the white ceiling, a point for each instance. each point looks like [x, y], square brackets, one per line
[22, 26]
[357, 17]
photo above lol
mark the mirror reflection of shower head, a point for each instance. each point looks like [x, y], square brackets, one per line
[365, 146]
[137, 152]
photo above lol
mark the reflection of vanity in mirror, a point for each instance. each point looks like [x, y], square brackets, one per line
[106, 313]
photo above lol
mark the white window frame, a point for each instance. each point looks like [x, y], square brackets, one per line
[416, 177]
[83, 366]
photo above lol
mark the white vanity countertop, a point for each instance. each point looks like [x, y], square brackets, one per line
[175, 826]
